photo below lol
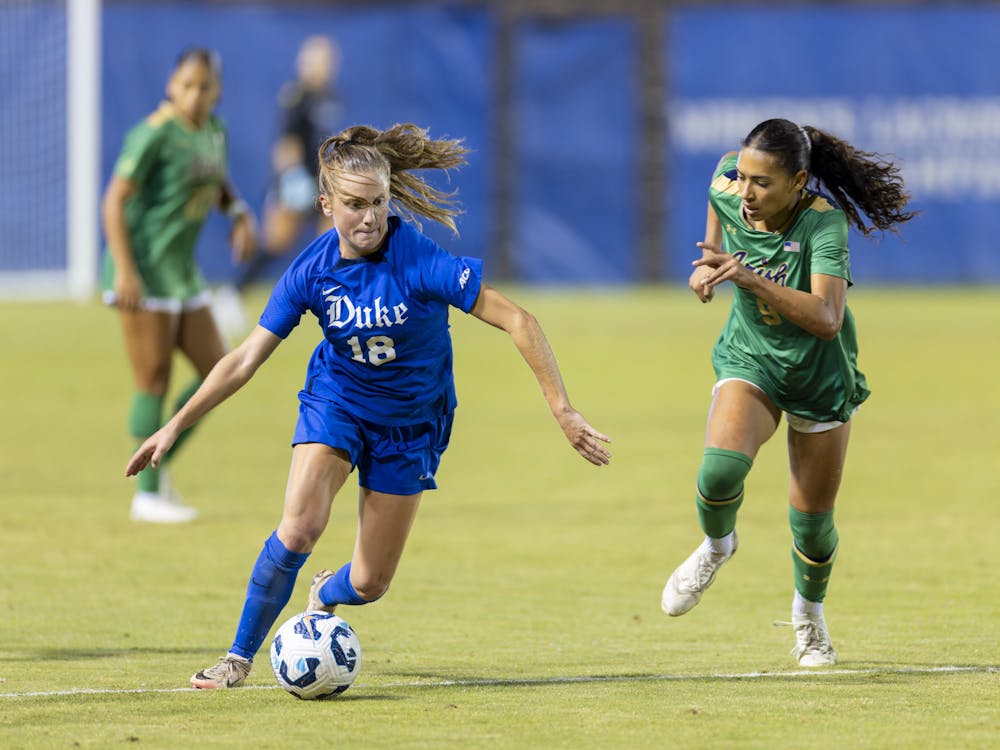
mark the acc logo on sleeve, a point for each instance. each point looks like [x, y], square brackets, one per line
[464, 278]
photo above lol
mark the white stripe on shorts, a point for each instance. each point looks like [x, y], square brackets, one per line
[166, 304]
[799, 424]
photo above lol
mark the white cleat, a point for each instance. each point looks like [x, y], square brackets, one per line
[314, 603]
[230, 672]
[686, 585]
[813, 647]
[152, 507]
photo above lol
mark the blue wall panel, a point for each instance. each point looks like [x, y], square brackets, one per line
[576, 135]
[915, 82]
[33, 114]
[428, 66]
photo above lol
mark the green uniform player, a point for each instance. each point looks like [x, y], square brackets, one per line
[181, 172]
[170, 174]
[789, 345]
[802, 374]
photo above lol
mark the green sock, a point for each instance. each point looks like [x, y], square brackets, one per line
[143, 420]
[813, 552]
[720, 489]
[182, 399]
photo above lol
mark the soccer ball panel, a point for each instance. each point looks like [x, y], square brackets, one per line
[315, 655]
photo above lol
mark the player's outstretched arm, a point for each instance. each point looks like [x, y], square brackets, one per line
[494, 308]
[230, 374]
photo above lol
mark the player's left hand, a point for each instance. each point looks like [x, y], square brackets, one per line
[725, 267]
[243, 237]
[585, 438]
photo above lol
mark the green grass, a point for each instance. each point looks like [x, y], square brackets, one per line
[531, 582]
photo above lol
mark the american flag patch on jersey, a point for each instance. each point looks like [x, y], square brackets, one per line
[791, 247]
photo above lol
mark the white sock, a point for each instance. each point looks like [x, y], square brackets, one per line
[805, 608]
[723, 546]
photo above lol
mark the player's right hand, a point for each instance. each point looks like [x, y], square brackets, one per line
[696, 282]
[128, 290]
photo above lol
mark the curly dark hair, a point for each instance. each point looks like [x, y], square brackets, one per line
[863, 184]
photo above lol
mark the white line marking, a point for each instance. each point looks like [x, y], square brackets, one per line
[530, 681]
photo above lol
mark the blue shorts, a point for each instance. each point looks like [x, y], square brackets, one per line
[395, 459]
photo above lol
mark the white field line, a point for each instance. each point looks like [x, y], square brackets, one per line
[532, 681]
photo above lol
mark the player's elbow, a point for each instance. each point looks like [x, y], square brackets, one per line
[112, 206]
[523, 321]
[524, 329]
[829, 327]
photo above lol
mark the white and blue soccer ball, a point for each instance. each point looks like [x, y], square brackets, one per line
[315, 655]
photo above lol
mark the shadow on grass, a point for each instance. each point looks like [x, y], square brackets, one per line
[844, 673]
[97, 695]
[363, 697]
[84, 654]
[869, 673]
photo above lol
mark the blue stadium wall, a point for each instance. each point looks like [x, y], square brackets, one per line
[916, 82]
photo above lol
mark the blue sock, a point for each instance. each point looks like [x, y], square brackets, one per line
[270, 588]
[338, 589]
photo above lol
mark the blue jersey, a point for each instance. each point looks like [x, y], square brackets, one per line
[386, 353]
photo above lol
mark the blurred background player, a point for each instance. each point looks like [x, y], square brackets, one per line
[171, 171]
[310, 110]
[789, 345]
[380, 389]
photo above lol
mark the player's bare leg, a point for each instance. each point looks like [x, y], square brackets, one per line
[149, 344]
[316, 474]
[817, 465]
[740, 420]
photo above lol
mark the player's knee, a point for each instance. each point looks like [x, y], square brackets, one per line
[370, 585]
[814, 534]
[299, 534]
[722, 473]
[153, 375]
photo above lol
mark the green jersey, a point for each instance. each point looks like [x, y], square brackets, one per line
[180, 172]
[802, 374]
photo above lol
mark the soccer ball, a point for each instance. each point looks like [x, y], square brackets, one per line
[315, 655]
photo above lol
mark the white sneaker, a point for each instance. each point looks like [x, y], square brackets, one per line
[314, 603]
[813, 647]
[227, 307]
[686, 585]
[154, 508]
[231, 671]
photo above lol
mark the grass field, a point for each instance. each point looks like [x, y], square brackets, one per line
[526, 610]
